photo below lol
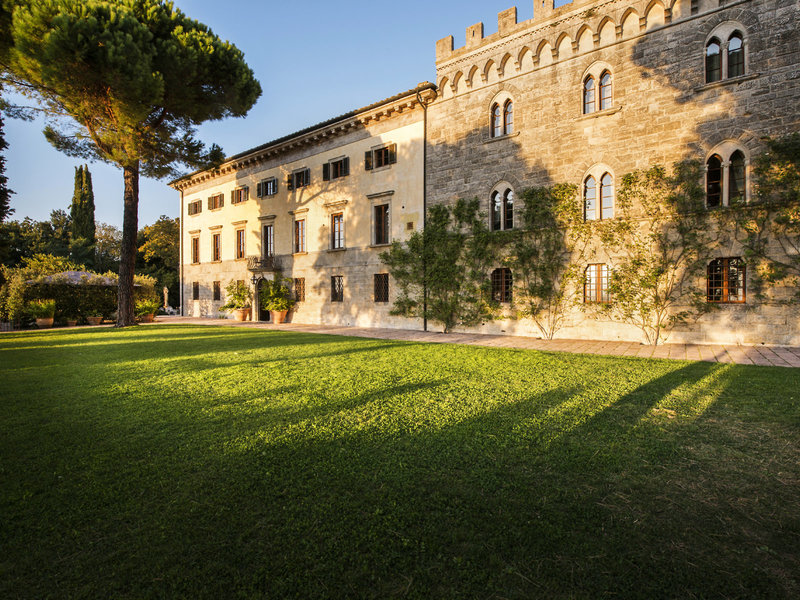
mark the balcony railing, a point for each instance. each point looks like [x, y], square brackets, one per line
[261, 264]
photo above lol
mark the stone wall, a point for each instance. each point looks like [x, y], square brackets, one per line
[663, 112]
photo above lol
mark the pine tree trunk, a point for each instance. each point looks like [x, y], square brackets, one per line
[130, 227]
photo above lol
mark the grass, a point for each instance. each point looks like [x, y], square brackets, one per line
[206, 462]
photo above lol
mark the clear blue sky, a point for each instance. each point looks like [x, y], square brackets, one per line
[314, 59]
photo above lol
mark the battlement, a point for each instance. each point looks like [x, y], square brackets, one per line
[543, 10]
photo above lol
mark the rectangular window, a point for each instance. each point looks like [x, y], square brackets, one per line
[298, 179]
[216, 201]
[337, 288]
[595, 288]
[337, 231]
[268, 241]
[216, 251]
[240, 244]
[380, 222]
[195, 207]
[239, 195]
[195, 290]
[336, 169]
[726, 280]
[380, 157]
[217, 292]
[502, 285]
[195, 250]
[300, 235]
[267, 187]
[299, 289]
[381, 285]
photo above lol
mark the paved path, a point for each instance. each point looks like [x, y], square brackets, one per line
[777, 356]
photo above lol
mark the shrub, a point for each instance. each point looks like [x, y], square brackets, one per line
[41, 309]
[237, 294]
[147, 307]
[275, 294]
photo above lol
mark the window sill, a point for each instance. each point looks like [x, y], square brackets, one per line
[303, 253]
[600, 113]
[724, 82]
[380, 245]
[500, 138]
[195, 263]
[215, 262]
[336, 249]
[242, 259]
[380, 169]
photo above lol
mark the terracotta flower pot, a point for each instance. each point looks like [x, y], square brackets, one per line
[94, 320]
[278, 316]
[241, 314]
[148, 318]
[45, 323]
[72, 322]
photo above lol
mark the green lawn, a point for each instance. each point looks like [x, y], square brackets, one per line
[180, 461]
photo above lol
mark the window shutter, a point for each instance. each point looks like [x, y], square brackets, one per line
[289, 182]
[199, 205]
[233, 196]
[392, 154]
[259, 190]
[245, 193]
[210, 202]
[346, 166]
[307, 177]
[326, 172]
[221, 200]
[368, 160]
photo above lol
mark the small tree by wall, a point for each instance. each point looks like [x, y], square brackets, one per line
[658, 241]
[546, 254]
[451, 256]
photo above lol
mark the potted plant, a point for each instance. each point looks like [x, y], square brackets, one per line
[238, 298]
[146, 310]
[94, 318]
[71, 320]
[276, 297]
[43, 311]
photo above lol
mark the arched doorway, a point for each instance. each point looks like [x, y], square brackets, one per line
[263, 315]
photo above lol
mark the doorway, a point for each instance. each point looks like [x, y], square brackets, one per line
[263, 315]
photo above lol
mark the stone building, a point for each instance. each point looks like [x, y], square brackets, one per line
[591, 90]
[318, 206]
[582, 93]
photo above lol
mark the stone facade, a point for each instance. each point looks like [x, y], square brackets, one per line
[391, 133]
[662, 111]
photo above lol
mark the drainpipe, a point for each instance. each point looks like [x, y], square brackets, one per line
[424, 208]
[180, 259]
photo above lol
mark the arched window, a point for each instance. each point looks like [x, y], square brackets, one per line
[713, 61]
[589, 199]
[735, 55]
[588, 95]
[508, 118]
[714, 181]
[736, 178]
[497, 121]
[502, 209]
[606, 196]
[595, 287]
[606, 96]
[502, 284]
[725, 281]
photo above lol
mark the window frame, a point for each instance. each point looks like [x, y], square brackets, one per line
[299, 289]
[194, 208]
[195, 249]
[216, 294]
[722, 182]
[299, 178]
[380, 288]
[216, 201]
[502, 285]
[589, 95]
[299, 237]
[337, 231]
[195, 291]
[240, 244]
[337, 168]
[216, 247]
[381, 225]
[268, 240]
[724, 278]
[371, 160]
[337, 288]
[267, 187]
[605, 90]
[504, 196]
[240, 194]
[595, 288]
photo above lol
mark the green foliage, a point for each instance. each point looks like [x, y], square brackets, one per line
[147, 307]
[158, 254]
[5, 193]
[27, 238]
[452, 256]
[237, 295]
[82, 226]
[658, 241]
[223, 462]
[41, 309]
[108, 243]
[546, 253]
[275, 294]
[137, 77]
[769, 227]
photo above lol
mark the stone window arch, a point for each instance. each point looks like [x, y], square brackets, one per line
[727, 176]
[726, 52]
[597, 93]
[501, 115]
[588, 95]
[501, 207]
[598, 194]
[606, 90]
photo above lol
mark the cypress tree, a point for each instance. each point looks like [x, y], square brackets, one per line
[5, 193]
[82, 228]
